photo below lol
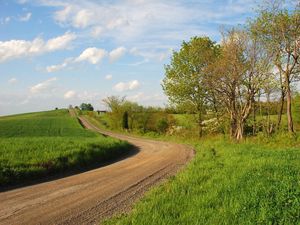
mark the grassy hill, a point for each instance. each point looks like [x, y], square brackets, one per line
[37, 144]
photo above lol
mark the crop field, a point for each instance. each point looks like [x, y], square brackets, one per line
[37, 144]
[250, 183]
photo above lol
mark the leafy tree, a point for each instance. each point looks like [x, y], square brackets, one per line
[116, 110]
[86, 107]
[279, 30]
[183, 82]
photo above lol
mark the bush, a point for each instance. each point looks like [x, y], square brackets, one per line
[162, 125]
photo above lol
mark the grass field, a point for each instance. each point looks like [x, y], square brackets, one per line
[37, 144]
[255, 182]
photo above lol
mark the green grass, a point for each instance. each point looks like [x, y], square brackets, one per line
[37, 144]
[254, 182]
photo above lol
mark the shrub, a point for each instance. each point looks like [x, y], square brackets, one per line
[162, 125]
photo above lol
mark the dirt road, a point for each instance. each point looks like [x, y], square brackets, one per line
[89, 197]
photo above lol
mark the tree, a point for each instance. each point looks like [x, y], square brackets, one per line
[237, 76]
[133, 110]
[183, 82]
[86, 107]
[125, 120]
[116, 110]
[279, 30]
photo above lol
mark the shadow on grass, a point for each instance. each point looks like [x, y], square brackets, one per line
[72, 171]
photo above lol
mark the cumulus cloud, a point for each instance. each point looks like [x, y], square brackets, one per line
[60, 42]
[150, 25]
[26, 17]
[127, 86]
[69, 94]
[108, 77]
[43, 86]
[21, 48]
[117, 53]
[92, 55]
[12, 80]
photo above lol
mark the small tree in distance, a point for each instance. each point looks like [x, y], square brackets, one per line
[86, 107]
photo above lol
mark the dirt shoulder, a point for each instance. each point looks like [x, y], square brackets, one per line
[92, 196]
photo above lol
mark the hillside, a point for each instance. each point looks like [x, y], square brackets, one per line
[37, 144]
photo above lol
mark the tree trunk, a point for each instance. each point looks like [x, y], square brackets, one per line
[254, 119]
[233, 126]
[239, 133]
[289, 109]
[200, 120]
[280, 112]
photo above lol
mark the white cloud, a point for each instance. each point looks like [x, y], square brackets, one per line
[21, 48]
[12, 80]
[69, 94]
[60, 42]
[97, 31]
[26, 17]
[83, 18]
[54, 68]
[117, 53]
[108, 77]
[129, 86]
[149, 24]
[43, 86]
[92, 55]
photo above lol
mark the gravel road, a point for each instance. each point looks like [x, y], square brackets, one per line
[92, 196]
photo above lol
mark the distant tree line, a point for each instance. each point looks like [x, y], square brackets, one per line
[127, 115]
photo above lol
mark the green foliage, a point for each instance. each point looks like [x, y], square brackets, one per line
[183, 83]
[86, 107]
[296, 110]
[162, 125]
[226, 183]
[37, 144]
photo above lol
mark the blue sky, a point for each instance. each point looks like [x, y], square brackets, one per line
[54, 53]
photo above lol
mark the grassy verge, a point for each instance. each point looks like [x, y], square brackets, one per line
[39, 144]
[254, 182]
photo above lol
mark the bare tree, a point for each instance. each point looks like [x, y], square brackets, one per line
[279, 30]
[237, 77]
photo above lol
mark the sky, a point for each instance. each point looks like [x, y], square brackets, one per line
[54, 53]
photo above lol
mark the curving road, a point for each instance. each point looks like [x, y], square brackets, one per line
[89, 197]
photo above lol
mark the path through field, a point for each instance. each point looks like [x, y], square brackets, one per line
[89, 197]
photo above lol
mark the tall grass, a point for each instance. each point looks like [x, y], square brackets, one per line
[227, 183]
[38, 144]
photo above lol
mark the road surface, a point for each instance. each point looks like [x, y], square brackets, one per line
[89, 197]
